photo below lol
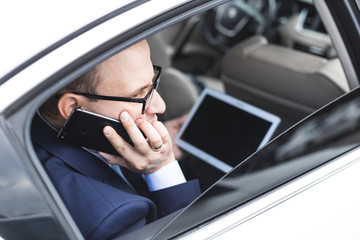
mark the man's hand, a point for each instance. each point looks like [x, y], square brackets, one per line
[147, 155]
[173, 126]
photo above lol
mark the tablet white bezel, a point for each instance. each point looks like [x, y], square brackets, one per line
[219, 164]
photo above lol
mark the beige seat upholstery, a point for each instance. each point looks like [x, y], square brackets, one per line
[178, 93]
[175, 87]
[284, 81]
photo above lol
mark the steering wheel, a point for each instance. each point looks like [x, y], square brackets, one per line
[236, 20]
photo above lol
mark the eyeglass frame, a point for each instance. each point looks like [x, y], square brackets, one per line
[143, 100]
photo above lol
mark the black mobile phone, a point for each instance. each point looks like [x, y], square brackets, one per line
[84, 128]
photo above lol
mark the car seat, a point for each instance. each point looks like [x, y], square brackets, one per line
[281, 80]
[175, 87]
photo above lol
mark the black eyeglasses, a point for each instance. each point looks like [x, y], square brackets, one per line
[145, 101]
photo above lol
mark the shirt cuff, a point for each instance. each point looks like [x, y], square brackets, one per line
[167, 176]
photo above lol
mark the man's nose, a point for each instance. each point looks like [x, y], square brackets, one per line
[157, 104]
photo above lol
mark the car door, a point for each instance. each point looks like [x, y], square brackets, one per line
[30, 207]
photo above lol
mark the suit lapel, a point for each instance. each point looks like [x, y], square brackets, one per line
[79, 159]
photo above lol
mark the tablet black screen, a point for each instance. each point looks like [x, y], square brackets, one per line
[225, 131]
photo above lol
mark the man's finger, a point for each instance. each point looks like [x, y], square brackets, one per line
[154, 138]
[120, 145]
[162, 130]
[134, 132]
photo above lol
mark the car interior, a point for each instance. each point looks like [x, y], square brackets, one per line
[275, 55]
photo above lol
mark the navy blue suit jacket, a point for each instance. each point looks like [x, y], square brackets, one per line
[99, 200]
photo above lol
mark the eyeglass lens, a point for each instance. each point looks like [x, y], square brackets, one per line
[148, 101]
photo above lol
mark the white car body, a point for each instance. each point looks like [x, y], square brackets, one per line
[45, 45]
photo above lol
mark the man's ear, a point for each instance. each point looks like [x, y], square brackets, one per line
[67, 103]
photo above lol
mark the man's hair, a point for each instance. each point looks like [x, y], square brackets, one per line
[87, 83]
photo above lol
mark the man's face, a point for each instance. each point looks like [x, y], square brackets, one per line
[128, 74]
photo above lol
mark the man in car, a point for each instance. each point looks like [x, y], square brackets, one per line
[105, 194]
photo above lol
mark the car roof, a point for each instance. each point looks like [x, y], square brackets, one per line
[28, 27]
[39, 50]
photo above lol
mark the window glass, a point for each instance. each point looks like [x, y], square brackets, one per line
[320, 138]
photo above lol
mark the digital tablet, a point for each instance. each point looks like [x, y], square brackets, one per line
[222, 130]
